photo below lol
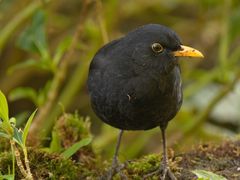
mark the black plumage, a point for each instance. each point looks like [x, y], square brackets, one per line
[134, 82]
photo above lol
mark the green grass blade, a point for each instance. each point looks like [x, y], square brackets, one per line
[3, 107]
[7, 177]
[55, 145]
[27, 126]
[75, 147]
[2, 134]
[207, 175]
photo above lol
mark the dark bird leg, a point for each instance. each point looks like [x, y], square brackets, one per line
[116, 167]
[164, 169]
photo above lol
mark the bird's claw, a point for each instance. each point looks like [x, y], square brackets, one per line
[163, 173]
[115, 169]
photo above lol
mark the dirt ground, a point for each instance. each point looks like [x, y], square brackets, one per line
[222, 159]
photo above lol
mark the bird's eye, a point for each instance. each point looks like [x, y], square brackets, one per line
[157, 48]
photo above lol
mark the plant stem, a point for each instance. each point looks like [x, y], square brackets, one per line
[26, 161]
[224, 40]
[18, 159]
[13, 160]
[101, 21]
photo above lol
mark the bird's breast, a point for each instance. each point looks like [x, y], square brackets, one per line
[138, 102]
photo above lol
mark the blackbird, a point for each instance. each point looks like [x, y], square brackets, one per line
[134, 83]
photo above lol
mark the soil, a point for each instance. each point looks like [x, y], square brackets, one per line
[222, 159]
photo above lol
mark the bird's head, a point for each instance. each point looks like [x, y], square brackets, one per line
[156, 47]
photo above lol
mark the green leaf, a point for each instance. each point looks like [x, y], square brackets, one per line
[55, 145]
[33, 39]
[61, 49]
[2, 134]
[12, 121]
[23, 92]
[43, 93]
[7, 177]
[3, 107]
[207, 175]
[75, 147]
[17, 136]
[6, 127]
[32, 63]
[27, 126]
[42, 50]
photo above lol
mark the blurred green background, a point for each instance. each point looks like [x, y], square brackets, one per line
[46, 47]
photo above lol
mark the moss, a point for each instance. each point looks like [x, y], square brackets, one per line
[83, 165]
[71, 128]
[5, 162]
[221, 159]
[144, 165]
[43, 166]
[4, 144]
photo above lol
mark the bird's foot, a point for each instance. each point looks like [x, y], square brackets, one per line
[163, 173]
[116, 168]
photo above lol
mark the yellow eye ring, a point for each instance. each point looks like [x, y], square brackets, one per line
[157, 48]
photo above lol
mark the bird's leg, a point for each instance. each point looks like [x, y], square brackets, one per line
[164, 169]
[116, 167]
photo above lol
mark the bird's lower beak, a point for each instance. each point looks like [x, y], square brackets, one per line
[186, 51]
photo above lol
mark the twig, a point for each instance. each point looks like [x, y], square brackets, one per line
[18, 159]
[101, 21]
[58, 79]
[26, 161]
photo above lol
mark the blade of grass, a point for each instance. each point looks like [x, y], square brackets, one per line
[3, 107]
[202, 174]
[27, 126]
[75, 147]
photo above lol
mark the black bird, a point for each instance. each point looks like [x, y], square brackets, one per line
[134, 83]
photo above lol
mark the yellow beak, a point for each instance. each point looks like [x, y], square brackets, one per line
[188, 52]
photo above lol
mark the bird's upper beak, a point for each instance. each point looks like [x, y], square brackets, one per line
[186, 51]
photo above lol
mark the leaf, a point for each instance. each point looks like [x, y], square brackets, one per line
[17, 136]
[12, 121]
[55, 145]
[43, 65]
[33, 39]
[75, 147]
[25, 64]
[3, 107]
[2, 134]
[23, 92]
[207, 175]
[43, 92]
[61, 49]
[42, 50]
[7, 177]
[7, 128]
[27, 126]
